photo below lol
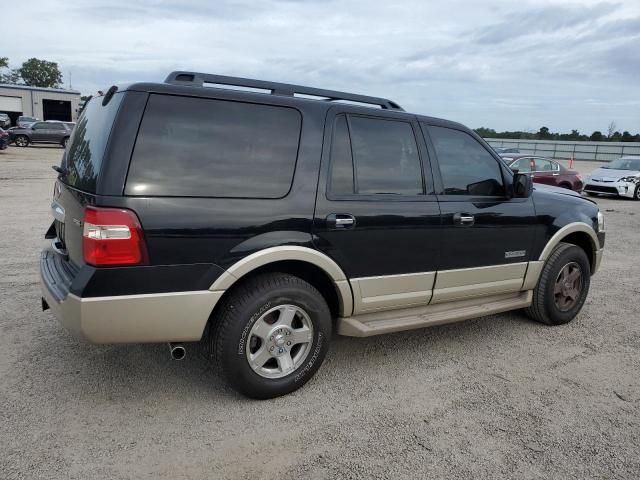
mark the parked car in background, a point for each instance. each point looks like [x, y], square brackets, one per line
[547, 171]
[70, 125]
[25, 121]
[41, 132]
[503, 150]
[620, 177]
[4, 139]
[5, 121]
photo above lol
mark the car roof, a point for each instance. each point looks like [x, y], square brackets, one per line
[213, 91]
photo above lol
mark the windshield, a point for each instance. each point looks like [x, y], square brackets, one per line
[88, 142]
[624, 164]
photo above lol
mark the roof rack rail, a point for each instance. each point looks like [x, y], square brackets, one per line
[199, 79]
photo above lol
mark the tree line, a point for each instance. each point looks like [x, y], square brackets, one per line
[34, 73]
[611, 135]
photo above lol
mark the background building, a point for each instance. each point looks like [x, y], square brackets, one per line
[42, 103]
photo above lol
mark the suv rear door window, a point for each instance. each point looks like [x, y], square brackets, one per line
[197, 147]
[467, 168]
[385, 157]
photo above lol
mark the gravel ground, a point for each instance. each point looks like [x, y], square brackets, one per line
[496, 397]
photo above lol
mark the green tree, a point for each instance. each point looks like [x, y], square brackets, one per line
[626, 137]
[543, 133]
[486, 132]
[4, 62]
[596, 136]
[40, 73]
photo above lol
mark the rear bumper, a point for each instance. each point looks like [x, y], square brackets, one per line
[146, 318]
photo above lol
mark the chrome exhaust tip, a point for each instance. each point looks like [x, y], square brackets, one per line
[177, 351]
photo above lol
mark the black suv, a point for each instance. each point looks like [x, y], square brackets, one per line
[260, 221]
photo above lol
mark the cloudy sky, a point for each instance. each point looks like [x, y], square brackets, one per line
[502, 64]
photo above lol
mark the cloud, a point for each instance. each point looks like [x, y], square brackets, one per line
[542, 19]
[561, 63]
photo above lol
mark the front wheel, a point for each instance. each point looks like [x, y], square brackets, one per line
[563, 286]
[636, 194]
[22, 141]
[272, 335]
[64, 142]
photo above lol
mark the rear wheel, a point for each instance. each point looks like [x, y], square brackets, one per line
[272, 335]
[64, 142]
[566, 185]
[563, 286]
[636, 195]
[21, 141]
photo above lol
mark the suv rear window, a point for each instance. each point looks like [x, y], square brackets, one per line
[83, 158]
[197, 147]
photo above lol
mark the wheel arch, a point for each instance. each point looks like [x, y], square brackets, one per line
[579, 234]
[311, 265]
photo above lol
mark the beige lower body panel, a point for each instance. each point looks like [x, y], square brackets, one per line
[165, 317]
[430, 315]
[452, 285]
[598, 260]
[390, 292]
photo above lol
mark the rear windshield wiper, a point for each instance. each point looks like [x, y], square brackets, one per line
[62, 172]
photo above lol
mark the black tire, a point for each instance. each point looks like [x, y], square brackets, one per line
[636, 194]
[544, 307]
[566, 185]
[21, 141]
[64, 142]
[244, 308]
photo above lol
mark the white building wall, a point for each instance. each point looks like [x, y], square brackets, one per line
[564, 149]
[32, 99]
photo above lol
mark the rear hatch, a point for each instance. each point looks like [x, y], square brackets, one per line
[76, 188]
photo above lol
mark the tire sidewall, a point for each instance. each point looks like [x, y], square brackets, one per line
[573, 254]
[234, 357]
[636, 194]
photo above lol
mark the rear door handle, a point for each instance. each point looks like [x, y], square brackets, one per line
[340, 221]
[463, 219]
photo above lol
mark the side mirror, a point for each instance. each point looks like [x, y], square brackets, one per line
[522, 185]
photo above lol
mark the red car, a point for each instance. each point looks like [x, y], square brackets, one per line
[545, 170]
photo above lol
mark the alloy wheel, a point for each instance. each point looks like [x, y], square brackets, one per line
[279, 341]
[568, 286]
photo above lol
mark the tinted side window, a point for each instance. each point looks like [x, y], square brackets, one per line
[385, 157]
[341, 177]
[39, 126]
[214, 148]
[467, 168]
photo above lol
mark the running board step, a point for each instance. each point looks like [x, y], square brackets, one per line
[377, 323]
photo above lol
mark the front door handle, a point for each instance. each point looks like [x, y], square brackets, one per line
[340, 221]
[463, 219]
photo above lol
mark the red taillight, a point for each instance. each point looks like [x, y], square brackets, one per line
[112, 236]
